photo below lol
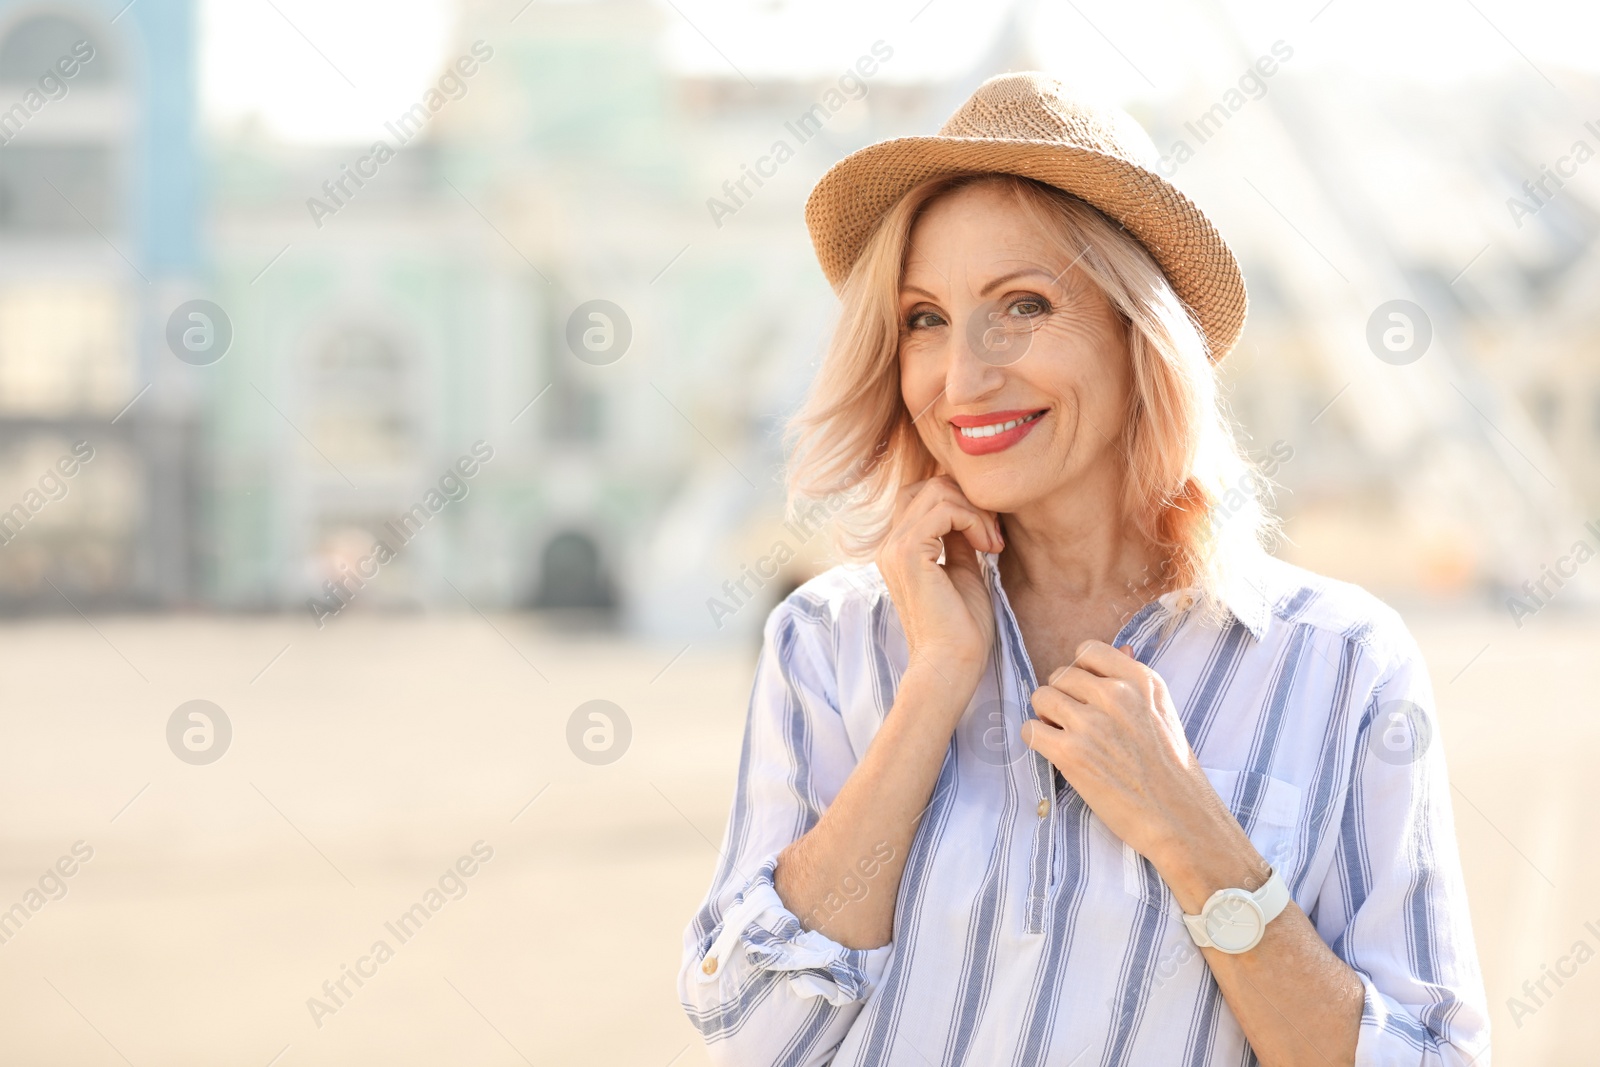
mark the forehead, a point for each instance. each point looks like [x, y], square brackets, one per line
[974, 233]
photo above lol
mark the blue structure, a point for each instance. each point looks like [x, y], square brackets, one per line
[99, 242]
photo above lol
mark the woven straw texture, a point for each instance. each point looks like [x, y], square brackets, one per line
[1026, 124]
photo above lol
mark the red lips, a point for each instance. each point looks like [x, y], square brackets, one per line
[998, 442]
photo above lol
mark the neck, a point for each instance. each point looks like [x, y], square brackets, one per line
[1079, 545]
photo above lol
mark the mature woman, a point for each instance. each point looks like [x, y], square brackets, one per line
[1073, 772]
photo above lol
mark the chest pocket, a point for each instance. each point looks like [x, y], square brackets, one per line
[1267, 807]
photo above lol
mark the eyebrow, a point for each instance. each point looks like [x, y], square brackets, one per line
[992, 286]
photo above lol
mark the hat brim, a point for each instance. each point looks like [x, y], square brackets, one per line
[846, 204]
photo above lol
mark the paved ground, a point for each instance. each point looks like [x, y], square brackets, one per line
[371, 757]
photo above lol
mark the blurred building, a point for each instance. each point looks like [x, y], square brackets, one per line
[1470, 467]
[98, 225]
[399, 303]
[434, 307]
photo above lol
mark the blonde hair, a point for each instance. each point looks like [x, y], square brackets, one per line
[854, 436]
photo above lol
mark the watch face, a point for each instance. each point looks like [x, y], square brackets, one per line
[1234, 922]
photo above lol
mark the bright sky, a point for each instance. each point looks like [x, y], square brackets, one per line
[335, 69]
[320, 69]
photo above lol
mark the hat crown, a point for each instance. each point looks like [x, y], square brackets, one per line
[1037, 107]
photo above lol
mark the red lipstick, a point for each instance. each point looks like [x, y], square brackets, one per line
[993, 431]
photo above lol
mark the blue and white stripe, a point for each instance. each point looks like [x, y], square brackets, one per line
[1020, 939]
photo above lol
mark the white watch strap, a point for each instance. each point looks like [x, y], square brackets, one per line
[1273, 897]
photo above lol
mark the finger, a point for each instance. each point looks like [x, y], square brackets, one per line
[914, 501]
[950, 516]
[1041, 736]
[944, 490]
[903, 499]
[960, 553]
[980, 529]
[1051, 743]
[923, 492]
[1055, 707]
[1085, 687]
[1100, 658]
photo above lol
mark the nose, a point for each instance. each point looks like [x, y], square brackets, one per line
[969, 377]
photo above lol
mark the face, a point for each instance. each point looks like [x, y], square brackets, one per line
[1012, 361]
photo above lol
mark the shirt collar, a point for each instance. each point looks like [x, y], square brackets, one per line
[1243, 591]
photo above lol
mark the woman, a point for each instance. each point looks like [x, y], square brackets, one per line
[1073, 773]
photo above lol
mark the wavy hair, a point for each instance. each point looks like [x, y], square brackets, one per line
[853, 442]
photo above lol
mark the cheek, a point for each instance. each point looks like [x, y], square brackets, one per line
[1088, 364]
[919, 372]
[1108, 394]
[921, 382]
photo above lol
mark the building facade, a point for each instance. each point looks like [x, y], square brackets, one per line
[99, 238]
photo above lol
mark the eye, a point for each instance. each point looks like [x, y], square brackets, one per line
[1028, 305]
[920, 320]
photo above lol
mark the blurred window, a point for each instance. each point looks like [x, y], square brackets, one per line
[78, 532]
[55, 189]
[572, 413]
[361, 400]
[63, 349]
[38, 42]
[572, 575]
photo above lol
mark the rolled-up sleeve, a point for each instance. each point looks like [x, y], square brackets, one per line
[1395, 904]
[759, 986]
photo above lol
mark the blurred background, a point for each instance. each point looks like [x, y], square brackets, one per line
[399, 380]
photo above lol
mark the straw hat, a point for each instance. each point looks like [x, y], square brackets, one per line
[1027, 124]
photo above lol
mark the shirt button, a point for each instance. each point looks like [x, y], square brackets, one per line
[710, 965]
[1044, 808]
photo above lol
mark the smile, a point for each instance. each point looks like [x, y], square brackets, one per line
[978, 435]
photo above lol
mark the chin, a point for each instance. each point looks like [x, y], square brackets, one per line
[997, 490]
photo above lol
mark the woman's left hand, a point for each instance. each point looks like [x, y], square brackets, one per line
[1108, 724]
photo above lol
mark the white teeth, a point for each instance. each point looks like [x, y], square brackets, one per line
[994, 428]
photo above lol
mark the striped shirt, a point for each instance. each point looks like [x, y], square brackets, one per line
[1024, 931]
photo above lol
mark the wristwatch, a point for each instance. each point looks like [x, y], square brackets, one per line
[1235, 920]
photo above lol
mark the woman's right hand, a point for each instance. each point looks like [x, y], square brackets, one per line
[945, 609]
